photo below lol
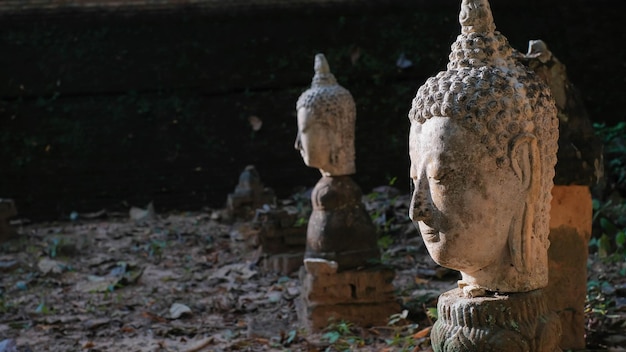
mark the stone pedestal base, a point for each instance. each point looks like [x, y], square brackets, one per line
[363, 297]
[340, 229]
[514, 322]
[7, 210]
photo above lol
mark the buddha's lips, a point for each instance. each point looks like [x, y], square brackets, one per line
[431, 235]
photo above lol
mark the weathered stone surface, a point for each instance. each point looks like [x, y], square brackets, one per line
[363, 286]
[363, 297]
[7, 210]
[249, 194]
[570, 231]
[512, 322]
[340, 228]
[483, 144]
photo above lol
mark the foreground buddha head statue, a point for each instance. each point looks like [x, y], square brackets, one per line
[483, 144]
[326, 120]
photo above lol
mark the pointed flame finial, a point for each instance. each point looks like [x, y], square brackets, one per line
[321, 65]
[323, 76]
[476, 17]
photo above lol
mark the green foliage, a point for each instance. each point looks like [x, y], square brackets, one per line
[609, 216]
[53, 246]
[342, 336]
[42, 308]
[614, 140]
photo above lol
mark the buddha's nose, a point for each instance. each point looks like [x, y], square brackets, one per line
[298, 143]
[420, 208]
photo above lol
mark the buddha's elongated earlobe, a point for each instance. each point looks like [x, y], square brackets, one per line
[526, 163]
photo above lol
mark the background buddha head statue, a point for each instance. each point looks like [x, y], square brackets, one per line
[326, 119]
[483, 144]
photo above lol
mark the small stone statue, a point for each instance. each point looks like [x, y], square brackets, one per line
[483, 143]
[249, 194]
[339, 228]
[342, 278]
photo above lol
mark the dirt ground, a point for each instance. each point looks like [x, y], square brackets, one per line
[190, 282]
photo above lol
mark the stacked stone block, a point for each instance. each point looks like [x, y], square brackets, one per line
[282, 240]
[363, 297]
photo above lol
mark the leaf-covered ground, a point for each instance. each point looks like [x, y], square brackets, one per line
[190, 282]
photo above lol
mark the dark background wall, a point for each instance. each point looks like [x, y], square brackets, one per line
[105, 108]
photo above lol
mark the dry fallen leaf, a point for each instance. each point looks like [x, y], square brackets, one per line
[422, 333]
[177, 310]
[255, 122]
[89, 344]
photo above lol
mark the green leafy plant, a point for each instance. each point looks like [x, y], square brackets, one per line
[614, 140]
[342, 336]
[609, 216]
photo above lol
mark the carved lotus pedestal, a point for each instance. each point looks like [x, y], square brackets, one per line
[7, 210]
[508, 322]
[340, 278]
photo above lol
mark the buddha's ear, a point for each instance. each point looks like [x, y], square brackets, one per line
[524, 155]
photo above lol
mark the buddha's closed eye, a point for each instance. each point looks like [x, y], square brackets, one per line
[443, 176]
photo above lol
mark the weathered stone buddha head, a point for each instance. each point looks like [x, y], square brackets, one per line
[326, 119]
[483, 144]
